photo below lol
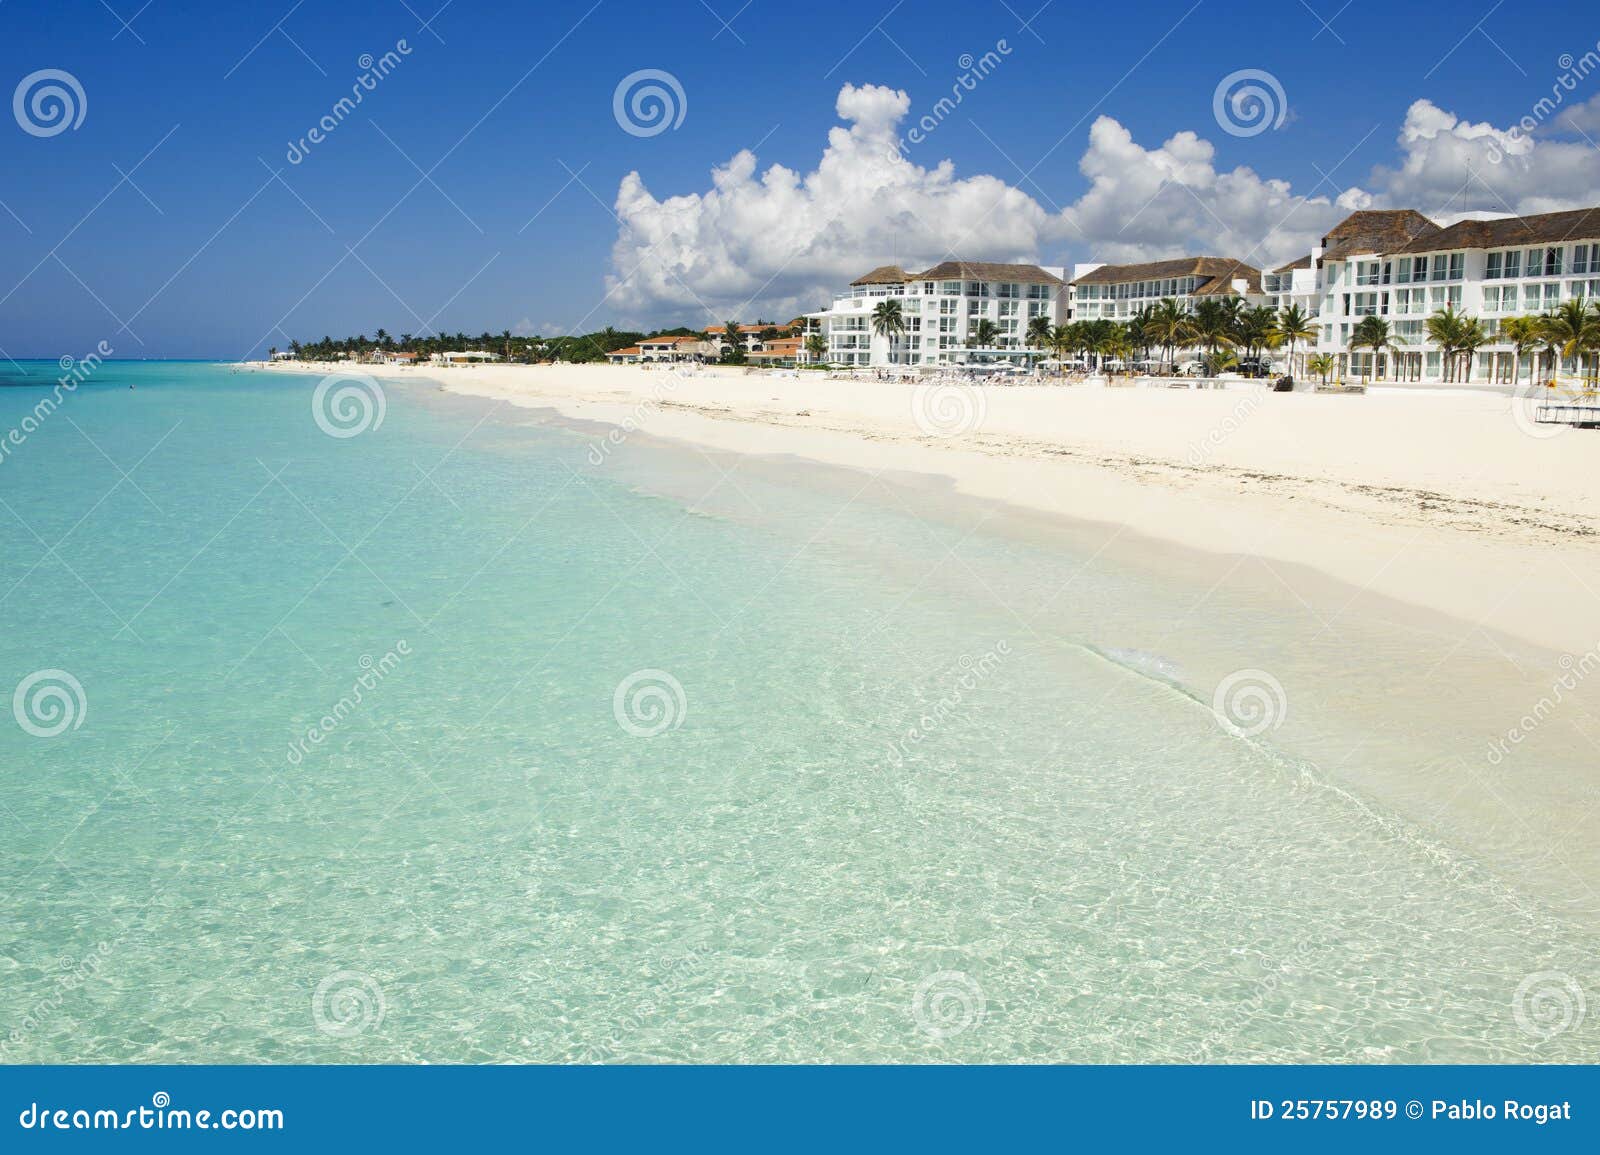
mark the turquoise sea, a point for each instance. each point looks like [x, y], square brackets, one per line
[627, 752]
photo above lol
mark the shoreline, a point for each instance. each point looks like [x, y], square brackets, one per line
[1439, 501]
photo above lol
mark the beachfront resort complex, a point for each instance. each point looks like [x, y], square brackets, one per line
[1442, 298]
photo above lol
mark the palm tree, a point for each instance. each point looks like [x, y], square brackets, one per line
[1169, 326]
[817, 346]
[1039, 333]
[1522, 334]
[1371, 333]
[1061, 344]
[1444, 330]
[1321, 364]
[734, 336]
[1214, 323]
[887, 319]
[1574, 328]
[1292, 326]
[1469, 339]
[1219, 362]
[983, 335]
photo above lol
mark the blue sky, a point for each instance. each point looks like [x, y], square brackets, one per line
[202, 251]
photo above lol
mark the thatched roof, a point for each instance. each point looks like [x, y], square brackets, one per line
[988, 271]
[1542, 229]
[1375, 231]
[883, 275]
[1216, 274]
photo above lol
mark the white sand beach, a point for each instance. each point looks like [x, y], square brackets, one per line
[1440, 498]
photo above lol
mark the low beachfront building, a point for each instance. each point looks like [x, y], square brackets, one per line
[940, 310]
[629, 355]
[465, 357]
[784, 351]
[671, 347]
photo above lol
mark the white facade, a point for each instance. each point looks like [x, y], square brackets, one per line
[1487, 270]
[940, 309]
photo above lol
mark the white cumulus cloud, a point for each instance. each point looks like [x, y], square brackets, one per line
[1450, 167]
[775, 242]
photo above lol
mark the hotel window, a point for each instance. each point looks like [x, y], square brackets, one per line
[1552, 262]
[1491, 271]
[950, 288]
[1452, 296]
[1436, 298]
[927, 288]
[1441, 264]
[1552, 294]
[1491, 299]
[1513, 265]
[1419, 268]
[1530, 298]
[1366, 305]
[1458, 264]
[1388, 269]
[1585, 258]
[1402, 274]
[1367, 273]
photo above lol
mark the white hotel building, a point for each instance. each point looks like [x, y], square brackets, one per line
[1395, 264]
[940, 307]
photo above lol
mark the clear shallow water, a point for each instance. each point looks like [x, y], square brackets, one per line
[1070, 861]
